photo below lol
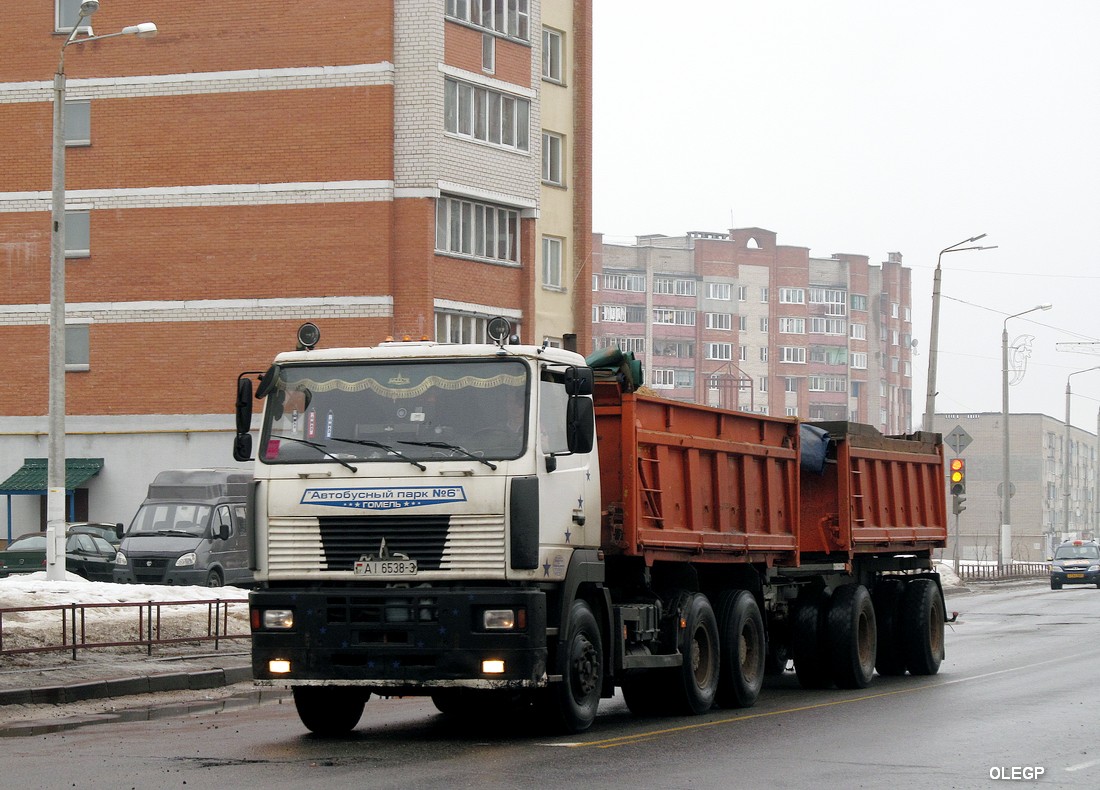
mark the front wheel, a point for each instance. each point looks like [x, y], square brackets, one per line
[329, 710]
[575, 699]
[214, 578]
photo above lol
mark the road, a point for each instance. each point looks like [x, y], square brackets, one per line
[1014, 701]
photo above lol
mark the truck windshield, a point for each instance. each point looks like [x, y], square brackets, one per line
[170, 518]
[397, 411]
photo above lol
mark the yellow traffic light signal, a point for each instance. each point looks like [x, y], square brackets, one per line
[957, 469]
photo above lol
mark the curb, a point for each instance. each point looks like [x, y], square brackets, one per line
[125, 687]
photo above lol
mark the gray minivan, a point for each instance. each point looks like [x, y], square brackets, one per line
[191, 529]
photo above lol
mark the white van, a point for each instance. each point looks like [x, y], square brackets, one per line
[190, 530]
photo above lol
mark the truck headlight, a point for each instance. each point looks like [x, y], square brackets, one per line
[278, 619]
[120, 559]
[1094, 568]
[186, 560]
[504, 619]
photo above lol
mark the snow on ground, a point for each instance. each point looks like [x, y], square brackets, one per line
[103, 620]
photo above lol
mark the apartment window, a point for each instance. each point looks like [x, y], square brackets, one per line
[480, 230]
[462, 327]
[828, 383]
[792, 411]
[859, 360]
[790, 384]
[907, 314]
[763, 353]
[893, 337]
[489, 116]
[488, 53]
[792, 296]
[595, 282]
[634, 345]
[743, 323]
[720, 291]
[676, 317]
[552, 172]
[858, 331]
[742, 353]
[662, 285]
[78, 234]
[722, 351]
[669, 348]
[794, 354]
[624, 282]
[674, 287]
[764, 324]
[894, 309]
[792, 326]
[720, 321]
[551, 54]
[77, 347]
[741, 293]
[663, 378]
[78, 123]
[835, 301]
[762, 384]
[685, 378]
[511, 18]
[551, 262]
[827, 326]
[764, 294]
[859, 302]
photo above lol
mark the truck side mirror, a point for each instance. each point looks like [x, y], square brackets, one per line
[242, 444]
[578, 381]
[222, 531]
[579, 429]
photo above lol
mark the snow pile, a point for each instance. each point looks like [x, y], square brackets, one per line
[172, 620]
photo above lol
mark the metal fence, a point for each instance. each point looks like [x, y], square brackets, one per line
[993, 573]
[149, 627]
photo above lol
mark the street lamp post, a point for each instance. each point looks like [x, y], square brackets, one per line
[934, 337]
[1004, 545]
[55, 483]
[1065, 465]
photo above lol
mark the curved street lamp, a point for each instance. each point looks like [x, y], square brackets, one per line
[934, 337]
[1004, 546]
[1065, 465]
[56, 486]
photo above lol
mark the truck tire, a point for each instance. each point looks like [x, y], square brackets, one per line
[852, 636]
[329, 710]
[808, 649]
[573, 702]
[886, 597]
[922, 620]
[695, 682]
[742, 649]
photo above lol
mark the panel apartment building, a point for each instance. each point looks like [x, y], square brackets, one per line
[381, 168]
[739, 321]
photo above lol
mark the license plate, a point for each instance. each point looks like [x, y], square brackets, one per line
[1075, 575]
[387, 568]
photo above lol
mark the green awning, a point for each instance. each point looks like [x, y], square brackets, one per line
[31, 477]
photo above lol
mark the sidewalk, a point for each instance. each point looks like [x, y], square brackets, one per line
[42, 693]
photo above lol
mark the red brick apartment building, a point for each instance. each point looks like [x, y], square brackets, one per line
[382, 168]
[739, 321]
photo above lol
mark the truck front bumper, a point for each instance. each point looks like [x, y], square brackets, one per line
[400, 638]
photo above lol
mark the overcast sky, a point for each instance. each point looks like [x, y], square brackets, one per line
[874, 127]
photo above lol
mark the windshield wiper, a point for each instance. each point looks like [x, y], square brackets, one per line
[181, 532]
[320, 447]
[455, 447]
[383, 446]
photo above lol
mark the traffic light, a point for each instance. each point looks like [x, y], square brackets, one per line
[957, 505]
[958, 476]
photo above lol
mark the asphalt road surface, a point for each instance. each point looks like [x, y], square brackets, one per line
[1014, 702]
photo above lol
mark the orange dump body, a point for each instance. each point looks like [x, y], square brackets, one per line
[684, 482]
[882, 494]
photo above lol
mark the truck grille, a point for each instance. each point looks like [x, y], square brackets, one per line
[149, 570]
[437, 543]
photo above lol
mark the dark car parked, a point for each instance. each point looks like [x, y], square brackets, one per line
[112, 533]
[89, 556]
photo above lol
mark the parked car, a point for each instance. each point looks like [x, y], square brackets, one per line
[1075, 562]
[86, 555]
[112, 533]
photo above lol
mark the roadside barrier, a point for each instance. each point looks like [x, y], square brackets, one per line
[86, 626]
[993, 573]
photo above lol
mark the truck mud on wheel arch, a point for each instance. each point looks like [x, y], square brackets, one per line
[509, 527]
